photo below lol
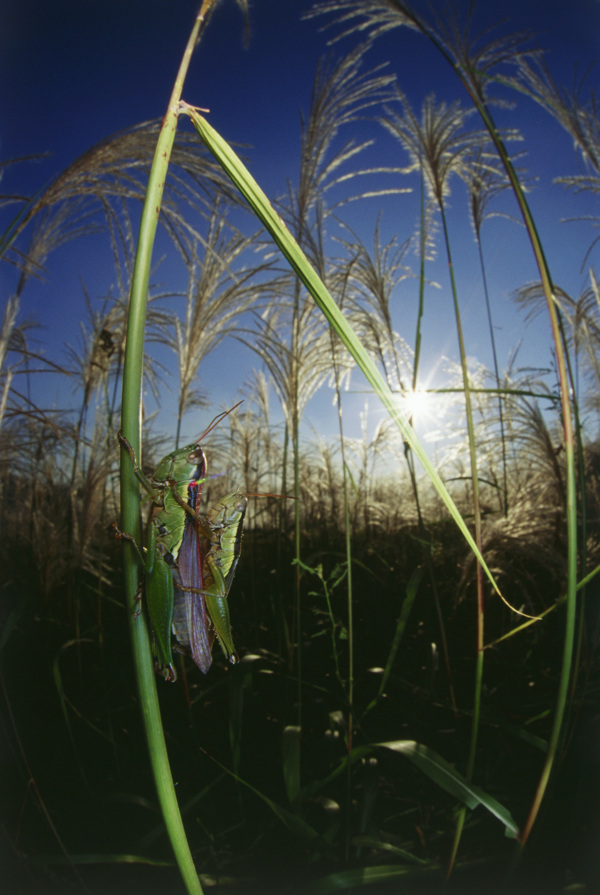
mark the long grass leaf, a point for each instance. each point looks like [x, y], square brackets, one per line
[442, 773]
[261, 206]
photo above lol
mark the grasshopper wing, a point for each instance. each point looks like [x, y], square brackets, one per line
[191, 625]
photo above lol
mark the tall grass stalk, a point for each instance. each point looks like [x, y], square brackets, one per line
[377, 275]
[292, 343]
[439, 148]
[216, 296]
[340, 94]
[573, 324]
[425, 237]
[348, 549]
[474, 81]
[478, 540]
[483, 186]
[130, 491]
[474, 63]
[473, 70]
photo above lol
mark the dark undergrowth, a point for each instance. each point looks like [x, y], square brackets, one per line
[263, 807]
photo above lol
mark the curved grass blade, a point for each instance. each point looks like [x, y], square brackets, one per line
[263, 209]
[442, 773]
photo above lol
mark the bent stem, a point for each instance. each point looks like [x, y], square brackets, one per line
[474, 87]
[250, 190]
[130, 492]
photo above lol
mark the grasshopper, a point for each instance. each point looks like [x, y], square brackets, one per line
[166, 533]
[205, 570]
[218, 555]
[172, 562]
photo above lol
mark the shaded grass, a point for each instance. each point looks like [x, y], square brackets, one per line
[106, 808]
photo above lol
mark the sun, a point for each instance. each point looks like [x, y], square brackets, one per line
[417, 404]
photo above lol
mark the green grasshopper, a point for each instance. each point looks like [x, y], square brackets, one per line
[173, 561]
[166, 533]
[219, 553]
[204, 574]
[205, 570]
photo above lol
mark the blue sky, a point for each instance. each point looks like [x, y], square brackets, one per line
[75, 72]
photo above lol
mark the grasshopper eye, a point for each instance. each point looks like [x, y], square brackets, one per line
[196, 457]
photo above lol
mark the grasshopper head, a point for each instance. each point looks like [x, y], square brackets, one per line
[196, 458]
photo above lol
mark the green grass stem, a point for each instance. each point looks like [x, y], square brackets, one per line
[130, 492]
[474, 82]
